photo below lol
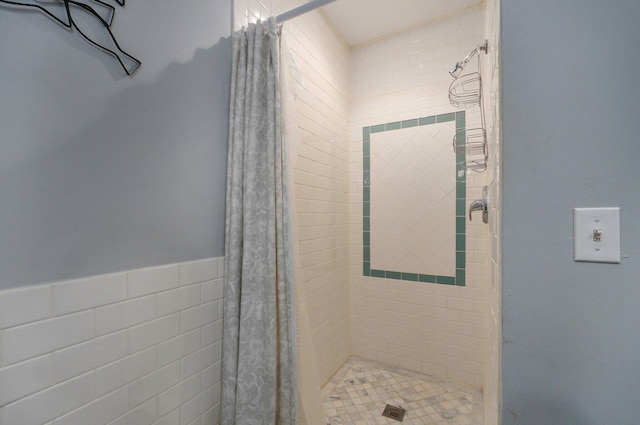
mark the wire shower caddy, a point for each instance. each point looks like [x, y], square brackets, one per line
[465, 92]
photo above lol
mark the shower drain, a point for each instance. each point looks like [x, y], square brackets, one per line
[394, 412]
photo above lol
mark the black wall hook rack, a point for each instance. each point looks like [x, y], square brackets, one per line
[101, 12]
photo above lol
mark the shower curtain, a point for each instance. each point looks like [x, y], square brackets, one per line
[259, 385]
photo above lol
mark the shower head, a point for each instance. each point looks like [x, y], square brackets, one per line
[459, 66]
[456, 70]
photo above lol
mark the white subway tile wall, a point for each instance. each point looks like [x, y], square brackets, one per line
[401, 77]
[320, 156]
[440, 330]
[137, 347]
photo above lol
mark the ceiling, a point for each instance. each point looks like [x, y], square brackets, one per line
[361, 21]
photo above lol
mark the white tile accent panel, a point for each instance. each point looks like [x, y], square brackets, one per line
[413, 200]
[112, 360]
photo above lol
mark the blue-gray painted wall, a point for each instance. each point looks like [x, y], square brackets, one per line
[100, 172]
[571, 138]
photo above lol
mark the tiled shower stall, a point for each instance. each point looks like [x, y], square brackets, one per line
[342, 94]
[142, 346]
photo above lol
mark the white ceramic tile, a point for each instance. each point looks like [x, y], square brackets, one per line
[178, 299]
[172, 418]
[461, 304]
[197, 421]
[221, 265]
[191, 387]
[145, 414]
[212, 415]
[98, 412]
[190, 410]
[200, 360]
[50, 403]
[89, 355]
[24, 378]
[169, 400]
[154, 332]
[211, 375]
[178, 347]
[199, 316]
[123, 371]
[34, 339]
[212, 290]
[209, 398]
[191, 364]
[124, 314]
[81, 294]
[24, 305]
[198, 271]
[211, 333]
[152, 280]
[153, 384]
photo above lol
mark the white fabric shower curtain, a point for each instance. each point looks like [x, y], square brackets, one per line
[259, 385]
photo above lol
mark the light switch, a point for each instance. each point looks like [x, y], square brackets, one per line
[596, 235]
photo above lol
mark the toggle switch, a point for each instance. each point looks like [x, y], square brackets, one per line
[596, 235]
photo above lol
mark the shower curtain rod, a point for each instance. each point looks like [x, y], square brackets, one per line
[301, 10]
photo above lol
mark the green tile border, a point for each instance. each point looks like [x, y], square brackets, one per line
[459, 120]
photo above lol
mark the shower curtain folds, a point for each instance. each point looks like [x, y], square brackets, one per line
[259, 385]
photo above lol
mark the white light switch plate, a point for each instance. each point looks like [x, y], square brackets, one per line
[588, 223]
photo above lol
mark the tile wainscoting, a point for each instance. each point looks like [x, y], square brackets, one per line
[138, 347]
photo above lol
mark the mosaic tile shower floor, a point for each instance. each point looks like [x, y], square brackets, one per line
[361, 389]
